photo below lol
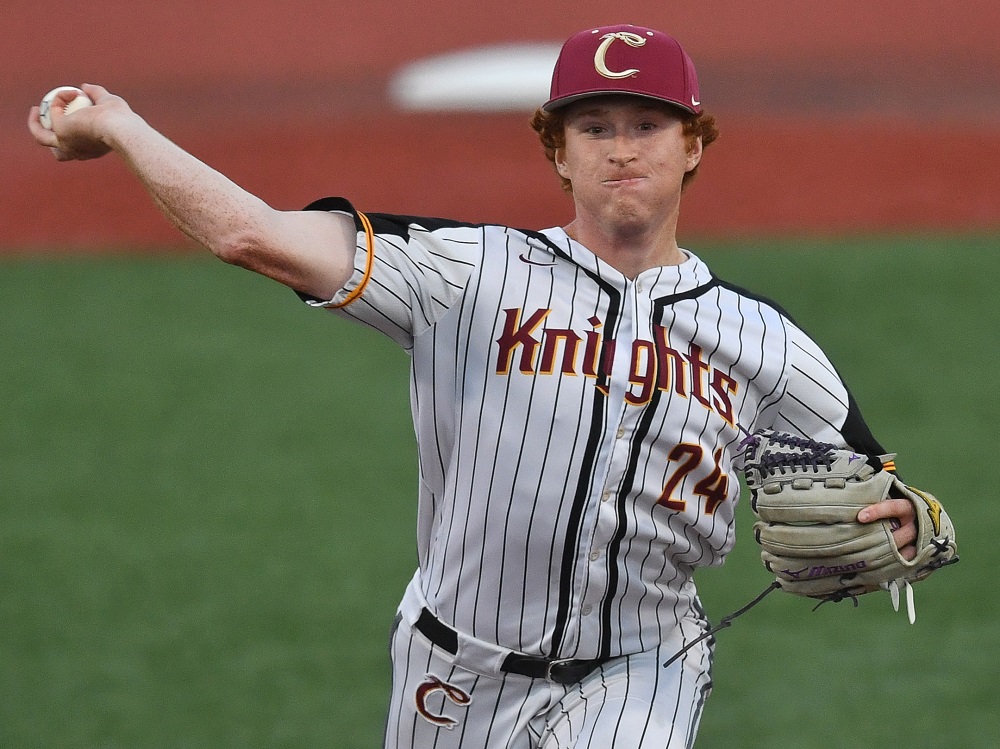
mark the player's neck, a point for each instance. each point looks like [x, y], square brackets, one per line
[631, 251]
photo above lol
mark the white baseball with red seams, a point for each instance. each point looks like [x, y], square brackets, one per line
[45, 107]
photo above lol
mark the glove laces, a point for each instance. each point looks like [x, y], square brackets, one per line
[778, 462]
[893, 587]
[808, 454]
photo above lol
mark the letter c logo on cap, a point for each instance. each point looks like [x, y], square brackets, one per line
[601, 65]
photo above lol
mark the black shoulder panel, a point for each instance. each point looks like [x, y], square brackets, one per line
[855, 430]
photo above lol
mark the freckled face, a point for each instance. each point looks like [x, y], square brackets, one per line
[626, 157]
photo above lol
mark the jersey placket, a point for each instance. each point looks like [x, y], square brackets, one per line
[605, 509]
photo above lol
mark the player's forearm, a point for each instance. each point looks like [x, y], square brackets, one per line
[205, 205]
[307, 251]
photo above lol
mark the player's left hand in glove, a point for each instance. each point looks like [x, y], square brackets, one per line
[807, 496]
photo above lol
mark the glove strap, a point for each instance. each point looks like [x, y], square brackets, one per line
[723, 623]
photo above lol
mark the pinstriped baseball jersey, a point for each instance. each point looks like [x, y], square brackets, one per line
[577, 430]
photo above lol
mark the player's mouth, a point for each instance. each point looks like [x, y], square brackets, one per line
[623, 181]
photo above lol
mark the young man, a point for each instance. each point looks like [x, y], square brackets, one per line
[578, 397]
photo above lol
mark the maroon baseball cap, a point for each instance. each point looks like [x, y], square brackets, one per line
[624, 59]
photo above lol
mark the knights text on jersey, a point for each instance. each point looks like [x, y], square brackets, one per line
[578, 431]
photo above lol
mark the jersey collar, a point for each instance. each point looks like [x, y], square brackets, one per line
[665, 280]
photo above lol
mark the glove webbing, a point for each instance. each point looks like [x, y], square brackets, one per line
[723, 623]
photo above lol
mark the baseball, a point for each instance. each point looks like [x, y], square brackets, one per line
[81, 101]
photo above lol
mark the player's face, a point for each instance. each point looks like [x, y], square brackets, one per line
[626, 158]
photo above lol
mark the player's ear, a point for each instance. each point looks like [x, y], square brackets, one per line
[694, 152]
[559, 159]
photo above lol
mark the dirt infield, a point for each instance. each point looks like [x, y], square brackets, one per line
[881, 118]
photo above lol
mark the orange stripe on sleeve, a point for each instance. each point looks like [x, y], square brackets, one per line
[369, 262]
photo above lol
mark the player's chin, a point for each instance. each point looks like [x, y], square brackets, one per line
[627, 213]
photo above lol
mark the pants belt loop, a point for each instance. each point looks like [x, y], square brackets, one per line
[437, 631]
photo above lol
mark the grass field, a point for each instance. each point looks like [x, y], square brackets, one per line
[207, 517]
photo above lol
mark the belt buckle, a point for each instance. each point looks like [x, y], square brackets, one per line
[554, 678]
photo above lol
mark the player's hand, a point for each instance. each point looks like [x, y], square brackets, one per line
[902, 516]
[84, 134]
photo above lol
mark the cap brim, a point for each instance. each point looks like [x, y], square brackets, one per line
[563, 101]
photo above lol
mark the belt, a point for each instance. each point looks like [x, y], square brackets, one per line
[558, 671]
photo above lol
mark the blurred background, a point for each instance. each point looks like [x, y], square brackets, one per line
[206, 489]
[839, 116]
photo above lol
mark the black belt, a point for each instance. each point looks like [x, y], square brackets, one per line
[565, 671]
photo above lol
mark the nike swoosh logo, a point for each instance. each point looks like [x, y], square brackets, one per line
[524, 259]
[695, 103]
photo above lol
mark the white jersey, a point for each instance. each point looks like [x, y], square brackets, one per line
[578, 431]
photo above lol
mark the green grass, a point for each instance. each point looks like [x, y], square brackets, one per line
[207, 515]
[913, 324]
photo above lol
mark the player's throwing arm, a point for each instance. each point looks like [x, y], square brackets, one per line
[309, 251]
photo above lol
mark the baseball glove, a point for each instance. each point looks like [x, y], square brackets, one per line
[807, 495]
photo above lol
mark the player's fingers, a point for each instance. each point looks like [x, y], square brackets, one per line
[66, 95]
[59, 102]
[901, 509]
[45, 137]
[905, 536]
[902, 518]
[96, 93]
[42, 136]
[80, 139]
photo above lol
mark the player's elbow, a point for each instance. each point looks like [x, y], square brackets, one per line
[284, 252]
[257, 252]
[238, 247]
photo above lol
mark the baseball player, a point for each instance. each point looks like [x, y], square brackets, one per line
[579, 396]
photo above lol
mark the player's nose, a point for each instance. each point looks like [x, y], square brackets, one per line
[622, 150]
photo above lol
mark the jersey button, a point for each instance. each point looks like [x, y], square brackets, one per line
[586, 610]
[606, 496]
[594, 556]
[621, 432]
